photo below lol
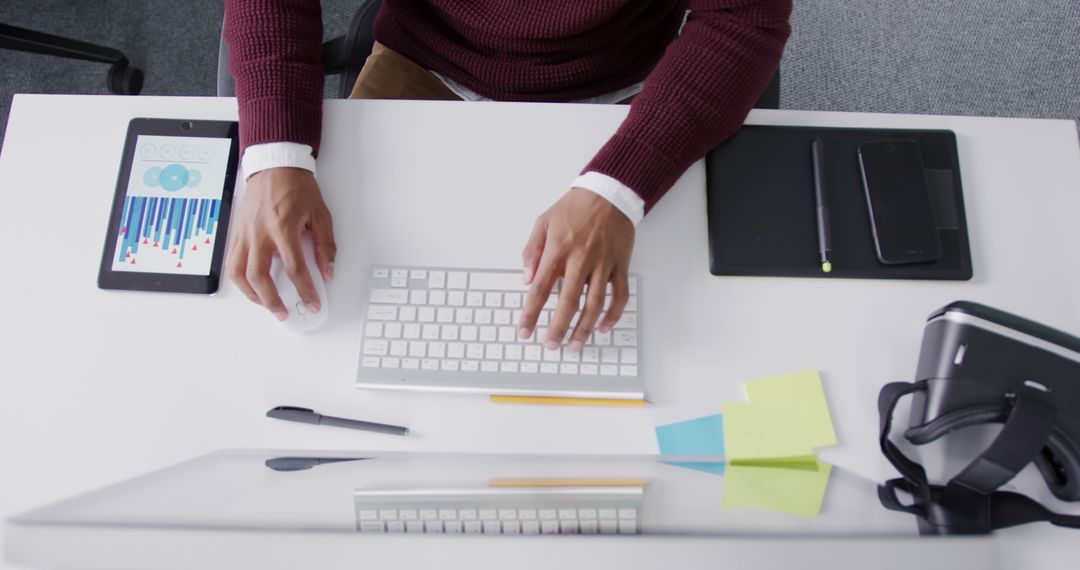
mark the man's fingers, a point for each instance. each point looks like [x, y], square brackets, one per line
[322, 233]
[546, 274]
[569, 298]
[295, 266]
[258, 274]
[619, 295]
[238, 258]
[534, 249]
[594, 304]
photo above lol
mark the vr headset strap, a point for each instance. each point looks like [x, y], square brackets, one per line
[970, 502]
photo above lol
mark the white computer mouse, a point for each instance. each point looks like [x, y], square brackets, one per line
[300, 319]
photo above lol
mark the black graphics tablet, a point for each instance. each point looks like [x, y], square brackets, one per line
[761, 206]
[170, 214]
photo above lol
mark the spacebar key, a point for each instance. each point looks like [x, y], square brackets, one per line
[510, 281]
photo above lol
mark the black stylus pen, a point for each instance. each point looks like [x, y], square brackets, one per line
[823, 234]
[306, 416]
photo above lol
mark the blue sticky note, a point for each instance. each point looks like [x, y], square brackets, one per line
[713, 468]
[700, 436]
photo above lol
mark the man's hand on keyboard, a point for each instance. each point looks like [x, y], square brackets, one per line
[278, 205]
[587, 241]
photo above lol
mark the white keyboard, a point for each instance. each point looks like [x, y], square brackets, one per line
[456, 329]
[379, 513]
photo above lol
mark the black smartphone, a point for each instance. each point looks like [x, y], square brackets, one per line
[901, 216]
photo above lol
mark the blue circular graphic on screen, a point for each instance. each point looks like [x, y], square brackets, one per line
[194, 178]
[152, 176]
[173, 177]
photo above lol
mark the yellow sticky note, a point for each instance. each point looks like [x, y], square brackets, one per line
[787, 416]
[787, 487]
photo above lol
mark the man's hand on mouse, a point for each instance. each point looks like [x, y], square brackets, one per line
[278, 205]
[587, 241]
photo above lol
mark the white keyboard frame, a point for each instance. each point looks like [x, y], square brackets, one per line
[501, 383]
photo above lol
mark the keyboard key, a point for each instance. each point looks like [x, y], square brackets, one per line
[571, 356]
[399, 347]
[453, 527]
[590, 354]
[395, 526]
[489, 366]
[399, 282]
[425, 315]
[463, 316]
[467, 514]
[436, 279]
[589, 526]
[507, 334]
[390, 362]
[457, 280]
[437, 298]
[512, 300]
[469, 333]
[399, 274]
[382, 312]
[449, 332]
[407, 314]
[609, 370]
[567, 513]
[628, 370]
[388, 514]
[455, 350]
[429, 364]
[492, 527]
[508, 366]
[373, 330]
[410, 363]
[407, 514]
[488, 333]
[586, 513]
[372, 526]
[473, 527]
[487, 514]
[625, 338]
[444, 315]
[474, 299]
[430, 332]
[470, 366]
[380, 273]
[433, 527]
[552, 355]
[629, 356]
[489, 281]
[609, 356]
[376, 347]
[609, 526]
[419, 274]
[389, 296]
[602, 338]
[392, 330]
[494, 352]
[607, 513]
[511, 527]
[513, 352]
[447, 514]
[418, 297]
[632, 285]
[530, 367]
[627, 321]
[455, 298]
[483, 316]
[437, 350]
[502, 316]
[566, 368]
[369, 515]
[631, 304]
[410, 331]
[548, 514]
[627, 526]
[526, 514]
[493, 299]
[429, 514]
[549, 368]
[370, 362]
[589, 369]
[627, 513]
[530, 527]
[474, 350]
[505, 514]
[568, 527]
[414, 526]
[549, 527]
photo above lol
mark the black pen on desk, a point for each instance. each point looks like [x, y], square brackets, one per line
[824, 236]
[306, 416]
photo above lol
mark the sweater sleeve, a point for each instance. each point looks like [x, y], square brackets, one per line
[698, 94]
[275, 49]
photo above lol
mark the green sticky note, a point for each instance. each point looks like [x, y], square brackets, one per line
[786, 487]
[787, 416]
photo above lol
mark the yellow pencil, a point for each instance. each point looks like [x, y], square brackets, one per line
[544, 400]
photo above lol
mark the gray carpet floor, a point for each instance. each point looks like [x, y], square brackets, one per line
[964, 57]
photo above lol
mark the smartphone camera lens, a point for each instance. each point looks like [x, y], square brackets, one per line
[186, 125]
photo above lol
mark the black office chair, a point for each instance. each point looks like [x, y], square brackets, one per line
[344, 56]
[122, 79]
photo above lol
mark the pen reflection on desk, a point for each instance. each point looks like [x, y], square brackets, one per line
[824, 235]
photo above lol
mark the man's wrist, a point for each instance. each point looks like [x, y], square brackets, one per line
[260, 157]
[620, 195]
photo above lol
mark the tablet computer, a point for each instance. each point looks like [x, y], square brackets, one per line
[170, 213]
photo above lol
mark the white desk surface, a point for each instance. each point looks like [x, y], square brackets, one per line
[96, 386]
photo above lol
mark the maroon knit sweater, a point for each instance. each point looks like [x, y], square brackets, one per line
[699, 83]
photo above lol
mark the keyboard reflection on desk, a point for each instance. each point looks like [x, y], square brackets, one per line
[590, 510]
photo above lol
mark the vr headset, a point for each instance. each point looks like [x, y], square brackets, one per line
[979, 365]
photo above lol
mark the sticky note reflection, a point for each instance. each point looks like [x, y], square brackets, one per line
[792, 487]
[699, 436]
[786, 416]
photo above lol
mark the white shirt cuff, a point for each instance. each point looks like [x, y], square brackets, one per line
[259, 157]
[619, 194]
